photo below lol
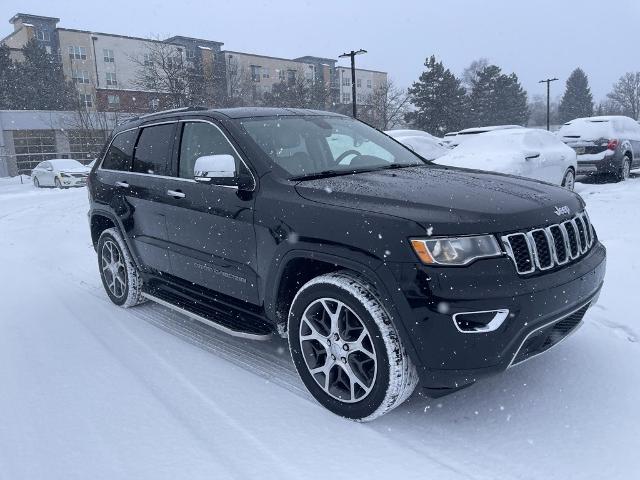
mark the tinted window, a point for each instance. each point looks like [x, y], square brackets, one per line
[120, 152]
[199, 139]
[153, 151]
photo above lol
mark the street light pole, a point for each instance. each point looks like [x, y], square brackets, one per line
[352, 54]
[548, 82]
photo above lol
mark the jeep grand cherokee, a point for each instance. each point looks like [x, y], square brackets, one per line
[382, 269]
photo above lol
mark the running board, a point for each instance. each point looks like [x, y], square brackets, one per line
[251, 329]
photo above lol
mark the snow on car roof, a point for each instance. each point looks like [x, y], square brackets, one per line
[470, 131]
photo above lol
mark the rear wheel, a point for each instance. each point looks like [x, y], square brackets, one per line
[346, 349]
[120, 276]
[569, 179]
[625, 170]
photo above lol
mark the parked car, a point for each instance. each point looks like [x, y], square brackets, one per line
[423, 143]
[448, 138]
[467, 133]
[60, 173]
[607, 146]
[380, 268]
[406, 132]
[526, 152]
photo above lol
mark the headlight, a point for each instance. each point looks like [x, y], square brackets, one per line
[455, 250]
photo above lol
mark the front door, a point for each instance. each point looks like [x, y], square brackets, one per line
[210, 227]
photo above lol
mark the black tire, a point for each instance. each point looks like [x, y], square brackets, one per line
[36, 182]
[625, 169]
[126, 290]
[57, 183]
[569, 179]
[395, 376]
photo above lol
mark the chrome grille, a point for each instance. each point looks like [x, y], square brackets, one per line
[542, 249]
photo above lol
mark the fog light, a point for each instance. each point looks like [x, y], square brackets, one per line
[480, 322]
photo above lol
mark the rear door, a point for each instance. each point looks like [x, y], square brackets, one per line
[144, 189]
[210, 227]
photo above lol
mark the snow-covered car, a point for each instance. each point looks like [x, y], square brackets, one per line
[60, 173]
[423, 143]
[448, 138]
[525, 152]
[467, 133]
[605, 145]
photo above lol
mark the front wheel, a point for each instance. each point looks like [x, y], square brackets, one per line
[36, 182]
[346, 348]
[57, 183]
[569, 179]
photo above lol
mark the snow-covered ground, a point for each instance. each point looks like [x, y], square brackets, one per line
[90, 390]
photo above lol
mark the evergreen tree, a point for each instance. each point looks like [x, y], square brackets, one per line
[497, 99]
[577, 100]
[439, 100]
[7, 80]
[40, 81]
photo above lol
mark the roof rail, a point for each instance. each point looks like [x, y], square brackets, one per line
[162, 112]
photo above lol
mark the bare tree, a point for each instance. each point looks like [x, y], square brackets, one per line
[626, 94]
[470, 74]
[386, 106]
[162, 69]
[240, 89]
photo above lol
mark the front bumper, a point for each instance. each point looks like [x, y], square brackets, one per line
[73, 181]
[447, 358]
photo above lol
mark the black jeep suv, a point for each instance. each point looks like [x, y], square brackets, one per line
[381, 268]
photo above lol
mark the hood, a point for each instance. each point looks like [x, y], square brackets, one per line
[75, 170]
[447, 200]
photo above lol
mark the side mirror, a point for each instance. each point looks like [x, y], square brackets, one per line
[217, 169]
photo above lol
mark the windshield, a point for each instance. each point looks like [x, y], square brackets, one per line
[62, 164]
[306, 146]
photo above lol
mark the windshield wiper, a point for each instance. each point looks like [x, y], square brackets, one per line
[326, 173]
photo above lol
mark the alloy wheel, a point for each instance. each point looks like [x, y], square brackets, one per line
[626, 169]
[113, 268]
[338, 350]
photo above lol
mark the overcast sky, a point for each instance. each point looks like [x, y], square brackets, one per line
[534, 39]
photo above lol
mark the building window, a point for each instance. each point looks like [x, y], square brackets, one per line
[346, 98]
[47, 49]
[265, 72]
[111, 79]
[86, 100]
[33, 147]
[154, 104]
[291, 77]
[80, 76]
[43, 35]
[369, 83]
[108, 55]
[359, 82]
[346, 81]
[77, 53]
[281, 75]
[191, 54]
[146, 59]
[113, 101]
[86, 144]
[255, 73]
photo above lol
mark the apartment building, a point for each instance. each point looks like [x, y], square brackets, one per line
[366, 83]
[106, 67]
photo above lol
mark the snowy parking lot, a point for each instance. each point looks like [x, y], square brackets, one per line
[90, 390]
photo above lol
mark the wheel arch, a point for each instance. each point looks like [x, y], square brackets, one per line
[100, 220]
[297, 267]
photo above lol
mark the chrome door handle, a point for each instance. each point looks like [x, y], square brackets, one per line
[175, 194]
[122, 184]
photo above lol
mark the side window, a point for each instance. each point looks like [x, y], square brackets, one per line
[153, 151]
[120, 152]
[200, 139]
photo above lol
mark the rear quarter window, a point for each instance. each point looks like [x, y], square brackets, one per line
[120, 152]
